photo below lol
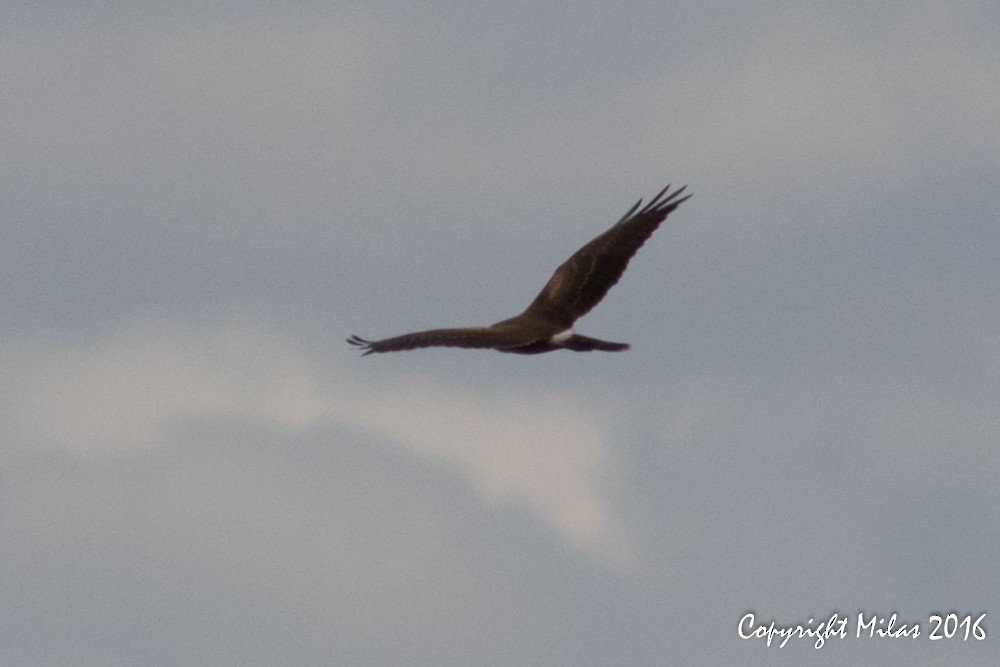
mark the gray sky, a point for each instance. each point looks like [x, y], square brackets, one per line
[200, 205]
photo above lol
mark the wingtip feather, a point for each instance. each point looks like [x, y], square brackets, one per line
[359, 342]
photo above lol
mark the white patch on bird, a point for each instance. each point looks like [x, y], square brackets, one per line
[561, 337]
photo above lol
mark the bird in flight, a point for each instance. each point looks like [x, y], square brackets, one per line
[574, 289]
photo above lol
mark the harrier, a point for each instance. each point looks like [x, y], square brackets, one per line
[574, 289]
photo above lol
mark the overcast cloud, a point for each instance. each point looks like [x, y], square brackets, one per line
[199, 205]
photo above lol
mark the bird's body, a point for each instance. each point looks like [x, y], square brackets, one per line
[574, 289]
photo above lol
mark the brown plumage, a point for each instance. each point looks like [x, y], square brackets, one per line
[574, 289]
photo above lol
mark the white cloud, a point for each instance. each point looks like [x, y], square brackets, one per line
[548, 454]
[121, 392]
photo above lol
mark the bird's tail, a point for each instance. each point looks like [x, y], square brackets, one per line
[579, 343]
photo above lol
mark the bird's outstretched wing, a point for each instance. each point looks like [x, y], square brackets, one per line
[481, 337]
[581, 281]
[574, 289]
